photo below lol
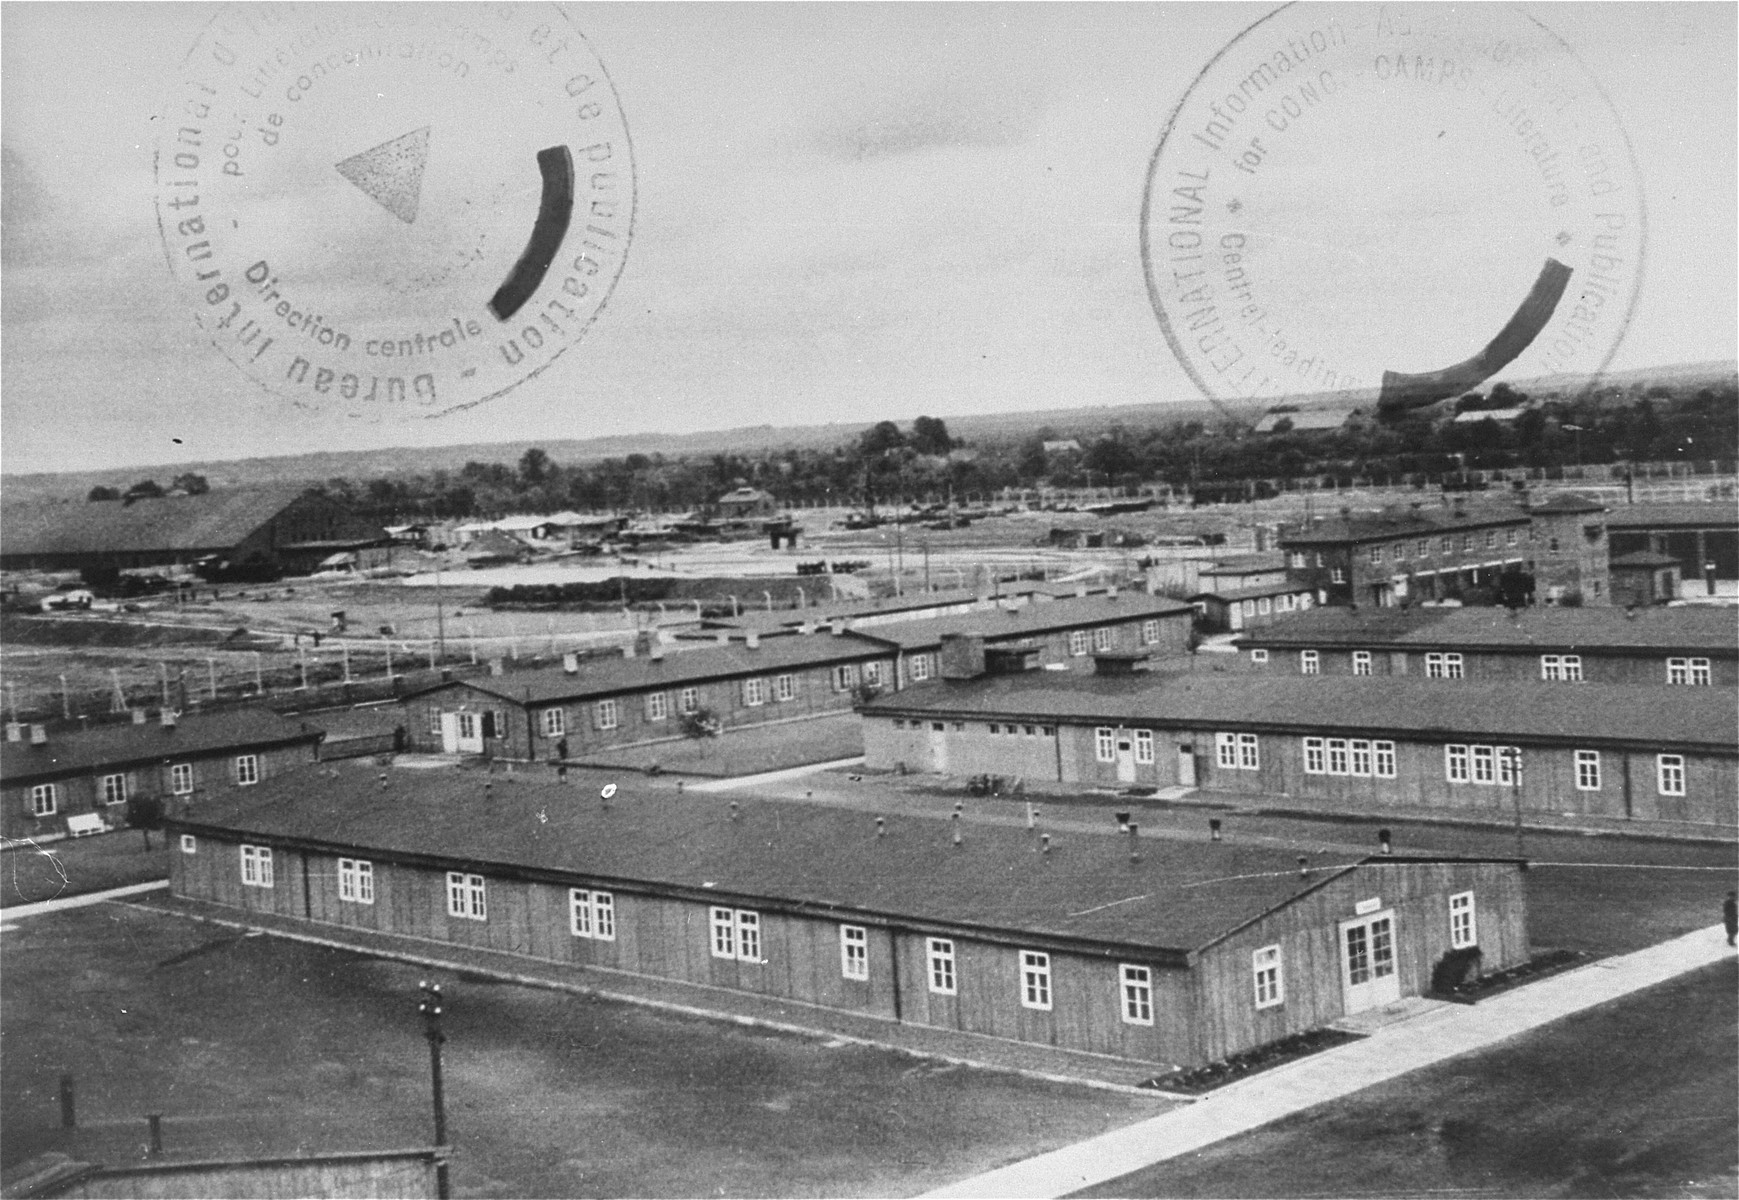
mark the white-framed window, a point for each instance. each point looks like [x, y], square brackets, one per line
[247, 769]
[918, 666]
[592, 914]
[1700, 675]
[657, 706]
[1463, 926]
[872, 674]
[737, 934]
[1670, 774]
[1315, 761]
[1150, 631]
[1423, 549]
[1337, 756]
[1359, 758]
[1484, 764]
[1248, 607]
[1259, 655]
[1467, 541]
[1105, 744]
[1103, 637]
[181, 779]
[1309, 662]
[189, 844]
[467, 723]
[1445, 544]
[1226, 750]
[1455, 764]
[1283, 603]
[1264, 606]
[1510, 536]
[43, 798]
[256, 866]
[1269, 979]
[1249, 752]
[1376, 555]
[1694, 671]
[1443, 666]
[785, 688]
[1509, 764]
[1383, 760]
[844, 677]
[1566, 668]
[605, 714]
[1143, 745]
[1137, 994]
[1361, 662]
[1296, 560]
[553, 722]
[754, 691]
[114, 789]
[1035, 980]
[1337, 575]
[941, 954]
[356, 880]
[1077, 642]
[688, 701]
[1491, 539]
[854, 951]
[466, 896]
[435, 715]
[1588, 770]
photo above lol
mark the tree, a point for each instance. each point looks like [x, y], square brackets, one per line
[930, 436]
[880, 438]
[145, 487]
[190, 484]
[534, 466]
[104, 493]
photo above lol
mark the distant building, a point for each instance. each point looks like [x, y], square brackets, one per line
[745, 503]
[1618, 754]
[495, 548]
[1309, 420]
[1689, 645]
[1570, 551]
[1644, 577]
[1702, 538]
[248, 531]
[1251, 607]
[1241, 571]
[1155, 950]
[49, 776]
[1414, 554]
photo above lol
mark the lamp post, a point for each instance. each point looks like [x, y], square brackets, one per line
[430, 1008]
[1577, 430]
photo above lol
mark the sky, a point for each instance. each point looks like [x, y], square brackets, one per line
[845, 212]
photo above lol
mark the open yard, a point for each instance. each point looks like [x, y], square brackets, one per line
[30, 873]
[747, 751]
[252, 1045]
[1634, 1098]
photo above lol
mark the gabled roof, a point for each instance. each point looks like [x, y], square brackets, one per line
[213, 521]
[613, 676]
[1654, 630]
[1713, 515]
[1421, 522]
[1567, 503]
[1256, 591]
[1028, 620]
[76, 752]
[1697, 718]
[818, 860]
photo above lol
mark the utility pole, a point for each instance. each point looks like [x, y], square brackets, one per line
[430, 1008]
[440, 614]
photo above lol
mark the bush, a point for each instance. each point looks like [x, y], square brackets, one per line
[612, 592]
[701, 723]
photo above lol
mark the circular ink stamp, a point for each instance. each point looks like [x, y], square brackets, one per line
[394, 210]
[1395, 200]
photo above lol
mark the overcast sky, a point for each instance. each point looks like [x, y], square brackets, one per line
[845, 212]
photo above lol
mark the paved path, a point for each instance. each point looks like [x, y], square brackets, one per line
[766, 777]
[17, 911]
[1431, 1037]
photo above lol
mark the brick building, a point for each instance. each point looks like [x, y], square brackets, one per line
[1685, 645]
[50, 775]
[1178, 953]
[1382, 559]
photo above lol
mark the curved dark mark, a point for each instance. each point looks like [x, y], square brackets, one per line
[1415, 391]
[553, 214]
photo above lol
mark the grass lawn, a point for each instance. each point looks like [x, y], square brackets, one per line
[254, 1045]
[74, 866]
[747, 751]
[1634, 1098]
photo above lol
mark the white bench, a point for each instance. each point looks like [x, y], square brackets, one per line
[85, 824]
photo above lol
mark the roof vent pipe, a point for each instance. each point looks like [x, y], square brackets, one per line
[957, 838]
[656, 651]
[1044, 843]
[1134, 842]
[753, 640]
[1386, 841]
[1303, 867]
[881, 827]
[1213, 829]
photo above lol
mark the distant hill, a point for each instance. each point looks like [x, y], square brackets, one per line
[1081, 423]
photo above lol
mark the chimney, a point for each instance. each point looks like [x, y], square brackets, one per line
[837, 625]
[496, 667]
[806, 628]
[656, 651]
[14, 731]
[1111, 592]
[1080, 591]
[722, 639]
[962, 655]
[753, 640]
[571, 663]
[167, 718]
[138, 716]
[39, 735]
[628, 650]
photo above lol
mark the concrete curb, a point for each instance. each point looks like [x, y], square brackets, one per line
[41, 907]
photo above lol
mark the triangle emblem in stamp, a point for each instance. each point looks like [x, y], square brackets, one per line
[391, 174]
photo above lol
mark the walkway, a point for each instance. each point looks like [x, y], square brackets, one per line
[19, 911]
[1432, 1036]
[754, 781]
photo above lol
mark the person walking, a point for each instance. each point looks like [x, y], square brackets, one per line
[1730, 916]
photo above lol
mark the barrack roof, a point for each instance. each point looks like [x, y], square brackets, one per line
[1704, 630]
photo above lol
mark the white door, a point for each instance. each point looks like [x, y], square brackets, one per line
[470, 729]
[1186, 766]
[450, 732]
[1125, 757]
[939, 746]
[1367, 949]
